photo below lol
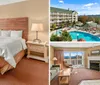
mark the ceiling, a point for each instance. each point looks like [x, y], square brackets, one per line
[74, 45]
[5, 2]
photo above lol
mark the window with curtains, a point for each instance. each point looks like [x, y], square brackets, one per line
[74, 58]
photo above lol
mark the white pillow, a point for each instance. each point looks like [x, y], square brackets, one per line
[5, 33]
[16, 33]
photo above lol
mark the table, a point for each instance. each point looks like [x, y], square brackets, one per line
[64, 76]
[37, 51]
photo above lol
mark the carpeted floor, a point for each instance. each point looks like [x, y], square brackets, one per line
[78, 75]
[27, 72]
[83, 74]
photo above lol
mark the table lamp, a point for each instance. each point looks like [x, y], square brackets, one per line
[37, 27]
[54, 59]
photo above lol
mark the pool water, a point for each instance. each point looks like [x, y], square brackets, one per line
[58, 32]
[78, 35]
[83, 35]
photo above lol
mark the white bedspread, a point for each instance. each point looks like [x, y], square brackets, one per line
[90, 82]
[9, 47]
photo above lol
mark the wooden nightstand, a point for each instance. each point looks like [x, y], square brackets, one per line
[37, 51]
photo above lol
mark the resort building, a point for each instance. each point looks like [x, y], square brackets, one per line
[59, 15]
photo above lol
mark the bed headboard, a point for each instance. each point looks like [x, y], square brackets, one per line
[15, 24]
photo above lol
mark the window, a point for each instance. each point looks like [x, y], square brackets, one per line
[67, 57]
[74, 58]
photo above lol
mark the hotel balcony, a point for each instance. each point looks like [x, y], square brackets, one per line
[53, 17]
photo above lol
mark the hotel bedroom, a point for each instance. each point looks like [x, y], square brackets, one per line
[74, 63]
[24, 61]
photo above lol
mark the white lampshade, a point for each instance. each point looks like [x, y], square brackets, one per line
[54, 58]
[37, 27]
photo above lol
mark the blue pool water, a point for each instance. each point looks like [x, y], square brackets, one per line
[83, 35]
[58, 32]
[78, 35]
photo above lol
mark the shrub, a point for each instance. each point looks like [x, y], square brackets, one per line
[53, 27]
[53, 37]
[65, 36]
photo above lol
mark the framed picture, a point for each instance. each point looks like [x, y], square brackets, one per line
[95, 52]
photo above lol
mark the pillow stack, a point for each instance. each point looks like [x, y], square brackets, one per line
[11, 33]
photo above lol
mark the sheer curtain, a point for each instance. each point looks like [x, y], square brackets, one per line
[59, 54]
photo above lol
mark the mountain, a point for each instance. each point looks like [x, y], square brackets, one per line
[91, 15]
[94, 15]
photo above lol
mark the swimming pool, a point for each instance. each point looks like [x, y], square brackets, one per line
[83, 35]
[78, 35]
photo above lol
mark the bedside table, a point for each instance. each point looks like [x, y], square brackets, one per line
[37, 51]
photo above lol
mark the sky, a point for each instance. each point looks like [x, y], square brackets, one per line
[83, 7]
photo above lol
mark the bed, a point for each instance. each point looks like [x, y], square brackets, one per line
[90, 82]
[13, 37]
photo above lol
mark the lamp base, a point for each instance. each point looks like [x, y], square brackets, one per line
[54, 62]
[37, 40]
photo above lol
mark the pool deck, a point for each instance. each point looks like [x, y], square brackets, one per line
[73, 29]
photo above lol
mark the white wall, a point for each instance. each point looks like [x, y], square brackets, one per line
[36, 10]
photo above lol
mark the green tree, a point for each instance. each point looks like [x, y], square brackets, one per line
[90, 18]
[97, 20]
[74, 23]
[68, 23]
[62, 24]
[53, 37]
[83, 19]
[66, 36]
[53, 26]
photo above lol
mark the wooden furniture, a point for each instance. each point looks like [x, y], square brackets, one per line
[37, 51]
[5, 66]
[66, 65]
[64, 76]
[20, 23]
